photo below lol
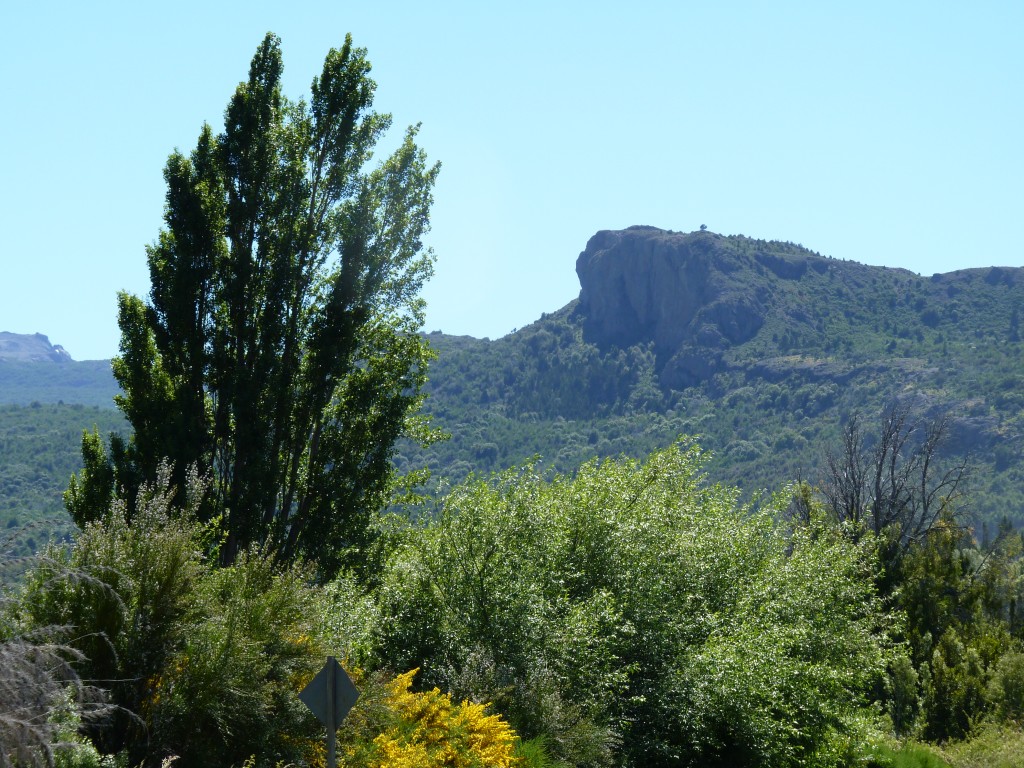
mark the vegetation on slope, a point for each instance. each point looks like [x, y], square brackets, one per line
[89, 382]
[615, 612]
[40, 446]
[836, 338]
[201, 664]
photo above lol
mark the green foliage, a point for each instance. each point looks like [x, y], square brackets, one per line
[628, 614]
[635, 602]
[908, 756]
[959, 605]
[43, 699]
[534, 754]
[994, 746]
[772, 408]
[954, 690]
[201, 663]
[278, 350]
[937, 591]
[128, 592]
[904, 695]
[774, 403]
[39, 450]
[241, 664]
[1007, 686]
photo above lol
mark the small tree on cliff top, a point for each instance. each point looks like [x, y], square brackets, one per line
[278, 351]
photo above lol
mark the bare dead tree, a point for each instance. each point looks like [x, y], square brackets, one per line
[900, 481]
[845, 483]
[940, 486]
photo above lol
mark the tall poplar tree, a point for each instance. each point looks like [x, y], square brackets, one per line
[279, 350]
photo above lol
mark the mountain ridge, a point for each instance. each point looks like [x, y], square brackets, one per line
[23, 347]
[700, 296]
[761, 348]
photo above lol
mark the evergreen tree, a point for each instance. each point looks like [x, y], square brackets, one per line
[279, 350]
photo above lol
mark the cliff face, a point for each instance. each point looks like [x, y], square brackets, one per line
[33, 348]
[707, 302]
[691, 295]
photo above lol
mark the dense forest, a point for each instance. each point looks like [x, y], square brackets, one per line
[739, 504]
[633, 613]
[493, 587]
[826, 339]
[40, 446]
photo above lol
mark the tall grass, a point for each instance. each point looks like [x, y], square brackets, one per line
[995, 746]
[907, 756]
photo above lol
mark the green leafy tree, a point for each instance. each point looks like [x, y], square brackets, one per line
[959, 603]
[632, 614]
[278, 351]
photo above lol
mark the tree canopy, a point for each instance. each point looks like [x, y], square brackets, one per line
[633, 614]
[278, 352]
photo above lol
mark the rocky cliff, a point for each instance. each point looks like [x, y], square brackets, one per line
[707, 302]
[19, 347]
[692, 295]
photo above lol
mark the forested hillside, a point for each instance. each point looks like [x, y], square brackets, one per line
[86, 382]
[47, 400]
[763, 349]
[776, 348]
[40, 447]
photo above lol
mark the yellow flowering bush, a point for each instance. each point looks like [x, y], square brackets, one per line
[428, 730]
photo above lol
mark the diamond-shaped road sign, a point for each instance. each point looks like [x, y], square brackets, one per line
[332, 679]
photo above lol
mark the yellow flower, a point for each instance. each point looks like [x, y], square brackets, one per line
[433, 732]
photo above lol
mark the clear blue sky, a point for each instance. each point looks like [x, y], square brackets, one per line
[887, 133]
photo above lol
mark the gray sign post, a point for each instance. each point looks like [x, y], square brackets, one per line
[330, 695]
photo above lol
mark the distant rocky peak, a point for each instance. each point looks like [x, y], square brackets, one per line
[35, 348]
[692, 295]
[647, 284]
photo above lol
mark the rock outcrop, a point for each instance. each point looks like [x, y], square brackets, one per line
[35, 348]
[691, 295]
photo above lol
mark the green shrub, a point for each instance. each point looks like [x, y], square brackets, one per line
[201, 663]
[534, 754]
[636, 612]
[993, 746]
[230, 688]
[1006, 688]
[907, 756]
[904, 695]
[126, 593]
[954, 690]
